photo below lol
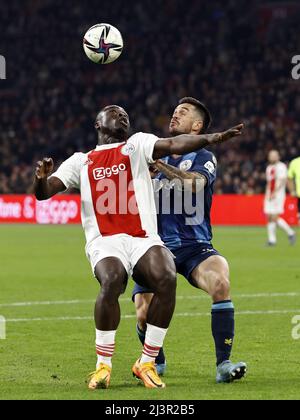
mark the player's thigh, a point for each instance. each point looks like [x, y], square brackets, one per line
[112, 275]
[156, 269]
[210, 273]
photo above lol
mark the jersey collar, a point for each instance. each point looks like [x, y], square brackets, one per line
[109, 146]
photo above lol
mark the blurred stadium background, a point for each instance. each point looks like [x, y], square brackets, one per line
[236, 57]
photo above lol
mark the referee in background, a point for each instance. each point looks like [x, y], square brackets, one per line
[294, 181]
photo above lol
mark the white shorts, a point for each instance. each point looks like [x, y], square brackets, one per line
[275, 206]
[124, 247]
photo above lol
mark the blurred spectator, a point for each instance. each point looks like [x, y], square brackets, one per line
[227, 55]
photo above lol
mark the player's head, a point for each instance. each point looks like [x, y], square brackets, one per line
[273, 156]
[190, 117]
[113, 121]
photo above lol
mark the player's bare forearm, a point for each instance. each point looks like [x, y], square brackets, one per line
[44, 187]
[40, 189]
[186, 143]
[194, 181]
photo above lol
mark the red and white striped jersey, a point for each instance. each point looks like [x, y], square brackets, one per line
[116, 188]
[276, 173]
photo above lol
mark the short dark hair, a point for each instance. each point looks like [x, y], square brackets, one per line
[203, 110]
[105, 109]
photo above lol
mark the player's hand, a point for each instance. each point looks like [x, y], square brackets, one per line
[153, 171]
[44, 168]
[217, 138]
[157, 165]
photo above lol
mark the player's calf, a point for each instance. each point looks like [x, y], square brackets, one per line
[161, 278]
[112, 276]
[163, 282]
[142, 302]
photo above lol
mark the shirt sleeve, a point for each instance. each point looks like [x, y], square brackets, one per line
[69, 171]
[206, 165]
[145, 145]
[291, 172]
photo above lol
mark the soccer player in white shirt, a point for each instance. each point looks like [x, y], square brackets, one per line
[276, 175]
[120, 224]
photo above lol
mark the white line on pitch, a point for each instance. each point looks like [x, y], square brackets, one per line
[179, 315]
[46, 303]
[195, 297]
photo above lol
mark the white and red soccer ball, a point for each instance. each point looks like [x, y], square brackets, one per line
[103, 43]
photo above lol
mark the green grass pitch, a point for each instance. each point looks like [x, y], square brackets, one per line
[49, 349]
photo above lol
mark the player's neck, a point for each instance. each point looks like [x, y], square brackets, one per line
[107, 139]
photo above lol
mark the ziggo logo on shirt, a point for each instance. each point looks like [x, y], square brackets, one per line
[102, 173]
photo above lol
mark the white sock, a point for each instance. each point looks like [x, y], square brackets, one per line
[105, 346]
[272, 232]
[153, 343]
[284, 226]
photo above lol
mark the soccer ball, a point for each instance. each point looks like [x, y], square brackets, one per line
[103, 43]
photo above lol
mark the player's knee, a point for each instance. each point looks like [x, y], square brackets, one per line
[112, 286]
[166, 282]
[221, 287]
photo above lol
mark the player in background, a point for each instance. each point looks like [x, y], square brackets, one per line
[294, 181]
[276, 175]
[196, 259]
[120, 224]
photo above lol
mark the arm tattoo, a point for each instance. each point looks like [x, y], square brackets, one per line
[192, 180]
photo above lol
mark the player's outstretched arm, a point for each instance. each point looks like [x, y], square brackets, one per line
[43, 187]
[186, 143]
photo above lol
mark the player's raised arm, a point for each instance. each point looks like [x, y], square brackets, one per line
[186, 143]
[43, 187]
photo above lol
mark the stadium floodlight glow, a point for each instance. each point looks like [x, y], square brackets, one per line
[2, 328]
[2, 68]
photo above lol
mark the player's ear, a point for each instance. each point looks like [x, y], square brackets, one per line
[197, 126]
[97, 125]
